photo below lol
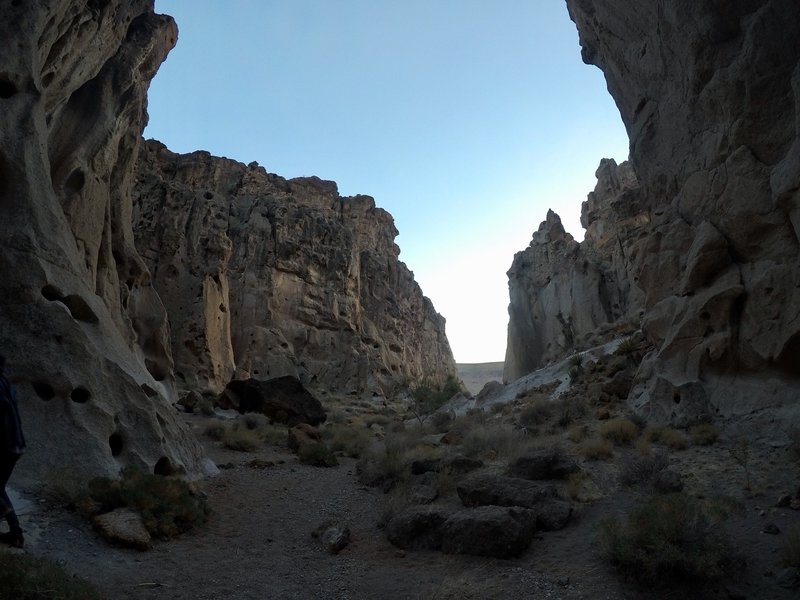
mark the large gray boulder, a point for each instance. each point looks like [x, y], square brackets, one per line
[489, 531]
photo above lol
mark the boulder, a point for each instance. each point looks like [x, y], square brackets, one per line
[417, 528]
[125, 527]
[494, 531]
[283, 399]
[543, 463]
[487, 489]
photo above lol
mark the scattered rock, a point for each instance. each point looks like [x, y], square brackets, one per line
[125, 527]
[333, 536]
[260, 463]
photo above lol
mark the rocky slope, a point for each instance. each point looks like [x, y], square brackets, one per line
[264, 277]
[710, 96]
[84, 330]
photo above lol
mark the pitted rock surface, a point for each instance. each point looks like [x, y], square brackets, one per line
[264, 277]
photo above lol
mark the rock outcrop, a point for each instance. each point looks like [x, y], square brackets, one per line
[566, 296]
[85, 332]
[264, 277]
[710, 96]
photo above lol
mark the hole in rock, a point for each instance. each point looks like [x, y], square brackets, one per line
[44, 390]
[7, 88]
[75, 182]
[163, 467]
[676, 398]
[255, 372]
[51, 293]
[150, 392]
[115, 442]
[48, 79]
[80, 395]
[161, 420]
[156, 369]
[80, 309]
[208, 195]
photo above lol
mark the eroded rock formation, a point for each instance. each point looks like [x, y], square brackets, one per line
[566, 296]
[85, 332]
[264, 277]
[710, 96]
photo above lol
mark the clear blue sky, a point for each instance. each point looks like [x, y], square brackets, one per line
[465, 119]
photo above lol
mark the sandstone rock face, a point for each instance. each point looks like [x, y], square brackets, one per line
[84, 330]
[564, 295]
[264, 277]
[710, 96]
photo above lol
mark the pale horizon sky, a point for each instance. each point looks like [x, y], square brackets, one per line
[465, 119]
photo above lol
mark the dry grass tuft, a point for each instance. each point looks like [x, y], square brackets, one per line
[622, 431]
[705, 434]
[596, 449]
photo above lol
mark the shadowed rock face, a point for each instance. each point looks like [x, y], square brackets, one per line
[84, 330]
[710, 96]
[264, 277]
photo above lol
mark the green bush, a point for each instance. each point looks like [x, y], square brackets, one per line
[167, 504]
[668, 539]
[26, 577]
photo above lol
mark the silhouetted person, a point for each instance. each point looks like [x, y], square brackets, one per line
[12, 445]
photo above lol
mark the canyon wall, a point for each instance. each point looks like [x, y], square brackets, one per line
[85, 333]
[710, 96]
[264, 276]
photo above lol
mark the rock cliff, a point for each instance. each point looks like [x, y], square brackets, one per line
[710, 96]
[85, 333]
[264, 277]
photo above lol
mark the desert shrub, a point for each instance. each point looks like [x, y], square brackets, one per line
[167, 504]
[620, 431]
[427, 397]
[577, 433]
[216, 430]
[740, 452]
[617, 364]
[596, 449]
[390, 462]
[441, 421]
[351, 441]
[667, 436]
[705, 434]
[627, 347]
[65, 487]
[255, 421]
[673, 439]
[668, 539]
[571, 409]
[205, 406]
[495, 441]
[642, 469]
[638, 419]
[371, 420]
[241, 439]
[791, 548]
[318, 455]
[536, 413]
[273, 434]
[26, 577]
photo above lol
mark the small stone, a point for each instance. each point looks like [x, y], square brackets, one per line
[771, 529]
